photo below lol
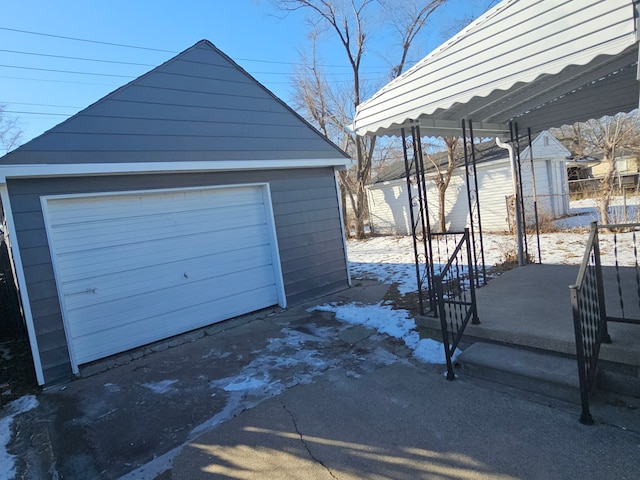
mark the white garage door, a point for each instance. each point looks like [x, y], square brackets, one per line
[136, 267]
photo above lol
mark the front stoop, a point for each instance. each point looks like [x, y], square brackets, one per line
[540, 373]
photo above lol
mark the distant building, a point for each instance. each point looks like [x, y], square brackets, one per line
[388, 199]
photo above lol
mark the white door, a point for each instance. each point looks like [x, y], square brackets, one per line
[137, 267]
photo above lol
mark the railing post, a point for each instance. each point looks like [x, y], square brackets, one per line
[437, 283]
[585, 417]
[472, 287]
[600, 283]
[407, 165]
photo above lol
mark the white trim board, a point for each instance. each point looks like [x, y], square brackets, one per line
[24, 295]
[89, 169]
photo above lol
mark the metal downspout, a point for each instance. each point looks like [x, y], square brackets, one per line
[514, 177]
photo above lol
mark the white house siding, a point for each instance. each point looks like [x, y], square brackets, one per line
[389, 211]
[388, 208]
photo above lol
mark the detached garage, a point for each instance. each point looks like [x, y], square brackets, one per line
[187, 197]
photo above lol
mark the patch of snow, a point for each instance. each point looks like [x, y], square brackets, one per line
[383, 318]
[395, 323]
[248, 384]
[431, 351]
[258, 380]
[162, 387]
[7, 461]
[111, 387]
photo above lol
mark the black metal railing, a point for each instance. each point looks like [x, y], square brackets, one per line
[454, 286]
[418, 213]
[589, 319]
[588, 303]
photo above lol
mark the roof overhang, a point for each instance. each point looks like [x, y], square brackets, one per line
[540, 63]
[94, 169]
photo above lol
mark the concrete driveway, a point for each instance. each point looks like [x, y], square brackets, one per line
[405, 421]
[296, 394]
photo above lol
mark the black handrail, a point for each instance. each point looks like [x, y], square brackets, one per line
[451, 283]
[590, 317]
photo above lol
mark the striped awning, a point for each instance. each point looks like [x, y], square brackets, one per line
[542, 63]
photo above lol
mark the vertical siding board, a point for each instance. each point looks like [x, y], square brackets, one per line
[311, 250]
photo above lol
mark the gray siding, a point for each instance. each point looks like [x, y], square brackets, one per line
[198, 106]
[307, 223]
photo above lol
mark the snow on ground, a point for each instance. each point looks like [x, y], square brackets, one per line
[390, 259]
[395, 323]
[585, 211]
[7, 461]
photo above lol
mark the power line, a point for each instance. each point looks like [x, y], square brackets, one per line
[43, 105]
[59, 81]
[39, 113]
[78, 58]
[141, 64]
[50, 35]
[122, 45]
[67, 71]
[131, 77]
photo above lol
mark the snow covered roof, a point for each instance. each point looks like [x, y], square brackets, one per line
[542, 63]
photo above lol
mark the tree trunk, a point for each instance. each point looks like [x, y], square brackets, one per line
[360, 214]
[442, 224]
[606, 188]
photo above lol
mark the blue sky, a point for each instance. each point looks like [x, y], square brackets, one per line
[263, 40]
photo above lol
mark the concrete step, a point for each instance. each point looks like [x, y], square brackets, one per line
[540, 373]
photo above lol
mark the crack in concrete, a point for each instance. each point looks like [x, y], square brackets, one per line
[295, 425]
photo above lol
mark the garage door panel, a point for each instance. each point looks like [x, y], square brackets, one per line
[139, 206]
[87, 264]
[133, 268]
[96, 235]
[134, 309]
[165, 226]
[110, 287]
[165, 325]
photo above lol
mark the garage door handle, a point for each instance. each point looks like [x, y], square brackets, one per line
[82, 292]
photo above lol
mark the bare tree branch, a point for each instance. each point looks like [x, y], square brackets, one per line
[10, 132]
[607, 136]
[408, 18]
[332, 109]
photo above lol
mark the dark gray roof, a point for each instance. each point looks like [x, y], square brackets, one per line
[485, 152]
[198, 106]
